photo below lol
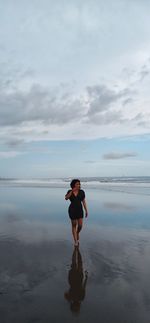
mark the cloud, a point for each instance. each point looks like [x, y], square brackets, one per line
[15, 142]
[105, 118]
[114, 155]
[38, 104]
[101, 98]
[136, 75]
[66, 111]
[10, 154]
[127, 101]
[144, 72]
[55, 107]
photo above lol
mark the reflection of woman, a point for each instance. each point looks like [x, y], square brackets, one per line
[77, 198]
[77, 281]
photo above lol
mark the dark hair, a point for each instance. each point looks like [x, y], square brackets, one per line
[73, 182]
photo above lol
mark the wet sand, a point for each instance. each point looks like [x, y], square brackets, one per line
[44, 279]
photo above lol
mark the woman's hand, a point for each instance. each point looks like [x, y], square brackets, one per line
[67, 196]
[74, 190]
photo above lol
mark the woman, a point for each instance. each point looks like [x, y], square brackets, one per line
[77, 198]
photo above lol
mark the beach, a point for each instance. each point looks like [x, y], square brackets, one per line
[42, 277]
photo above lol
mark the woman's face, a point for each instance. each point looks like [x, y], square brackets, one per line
[77, 185]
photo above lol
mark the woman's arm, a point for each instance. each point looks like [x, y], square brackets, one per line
[67, 196]
[85, 207]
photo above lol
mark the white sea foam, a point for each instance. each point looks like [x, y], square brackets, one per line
[128, 184]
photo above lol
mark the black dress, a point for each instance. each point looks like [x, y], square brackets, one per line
[75, 209]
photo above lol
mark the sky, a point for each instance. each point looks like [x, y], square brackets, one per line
[74, 88]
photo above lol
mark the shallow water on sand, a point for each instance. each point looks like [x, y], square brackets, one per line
[44, 279]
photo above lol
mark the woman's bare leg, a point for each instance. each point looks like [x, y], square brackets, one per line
[80, 224]
[74, 229]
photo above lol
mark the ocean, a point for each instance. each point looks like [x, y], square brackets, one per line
[43, 278]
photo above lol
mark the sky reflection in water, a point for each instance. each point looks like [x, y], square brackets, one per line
[43, 279]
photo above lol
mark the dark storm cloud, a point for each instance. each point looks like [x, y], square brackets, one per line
[119, 155]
